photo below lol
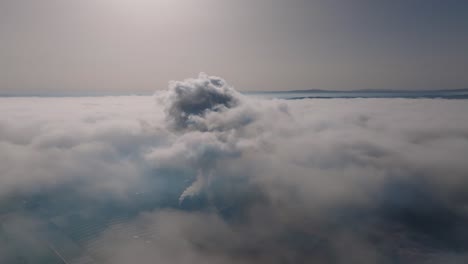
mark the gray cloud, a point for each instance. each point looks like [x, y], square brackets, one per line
[207, 175]
[186, 102]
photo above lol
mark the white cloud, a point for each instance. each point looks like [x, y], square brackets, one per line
[258, 181]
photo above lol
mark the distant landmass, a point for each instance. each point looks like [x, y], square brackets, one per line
[298, 94]
[364, 93]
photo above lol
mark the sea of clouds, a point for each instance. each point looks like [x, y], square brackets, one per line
[214, 176]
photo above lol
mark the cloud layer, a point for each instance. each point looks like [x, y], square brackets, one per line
[208, 175]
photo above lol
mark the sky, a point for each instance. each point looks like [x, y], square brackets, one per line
[138, 46]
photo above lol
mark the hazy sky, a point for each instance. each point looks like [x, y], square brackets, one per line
[137, 46]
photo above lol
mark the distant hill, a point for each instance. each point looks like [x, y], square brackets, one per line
[365, 93]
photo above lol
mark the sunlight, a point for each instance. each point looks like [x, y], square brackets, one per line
[149, 11]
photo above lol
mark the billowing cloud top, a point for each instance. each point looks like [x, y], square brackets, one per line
[188, 101]
[208, 175]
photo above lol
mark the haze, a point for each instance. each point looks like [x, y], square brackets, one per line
[126, 47]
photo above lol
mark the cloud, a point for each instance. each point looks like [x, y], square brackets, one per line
[208, 175]
[186, 102]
